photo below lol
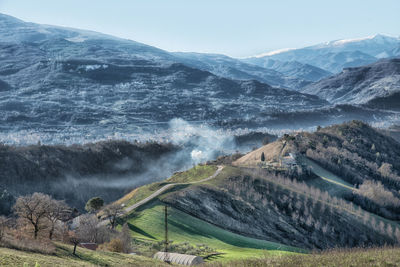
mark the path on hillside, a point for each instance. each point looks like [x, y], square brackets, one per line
[326, 175]
[332, 178]
[165, 188]
[159, 192]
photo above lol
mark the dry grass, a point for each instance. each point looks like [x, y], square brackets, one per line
[19, 240]
[63, 257]
[271, 152]
[127, 197]
[387, 256]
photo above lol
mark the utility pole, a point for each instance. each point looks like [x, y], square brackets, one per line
[166, 254]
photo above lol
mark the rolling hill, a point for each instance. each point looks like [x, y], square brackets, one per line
[78, 172]
[291, 77]
[297, 69]
[325, 201]
[376, 84]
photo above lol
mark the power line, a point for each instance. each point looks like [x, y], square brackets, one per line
[166, 254]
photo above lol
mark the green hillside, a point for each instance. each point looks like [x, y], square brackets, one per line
[148, 224]
[194, 174]
[386, 256]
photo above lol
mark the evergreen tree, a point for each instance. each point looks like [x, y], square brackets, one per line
[94, 204]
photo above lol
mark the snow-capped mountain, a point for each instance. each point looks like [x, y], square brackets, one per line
[360, 85]
[335, 55]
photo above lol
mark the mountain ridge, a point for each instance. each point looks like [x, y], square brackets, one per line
[359, 85]
[350, 53]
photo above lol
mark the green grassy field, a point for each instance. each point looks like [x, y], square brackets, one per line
[389, 257]
[148, 223]
[63, 258]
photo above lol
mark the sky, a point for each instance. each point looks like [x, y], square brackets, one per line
[232, 27]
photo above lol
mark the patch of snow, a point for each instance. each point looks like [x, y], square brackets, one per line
[77, 39]
[275, 52]
[345, 41]
[95, 67]
[379, 38]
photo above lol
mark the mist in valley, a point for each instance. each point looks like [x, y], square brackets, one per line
[114, 172]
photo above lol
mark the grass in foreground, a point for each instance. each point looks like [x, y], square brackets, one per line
[389, 257]
[63, 257]
[148, 223]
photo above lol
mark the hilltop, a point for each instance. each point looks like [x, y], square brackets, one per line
[310, 192]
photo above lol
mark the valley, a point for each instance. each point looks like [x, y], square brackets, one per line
[113, 151]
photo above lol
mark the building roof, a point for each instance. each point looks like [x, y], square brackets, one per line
[183, 259]
[91, 246]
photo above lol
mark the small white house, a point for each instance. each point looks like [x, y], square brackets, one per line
[289, 161]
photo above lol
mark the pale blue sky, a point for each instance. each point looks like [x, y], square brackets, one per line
[235, 28]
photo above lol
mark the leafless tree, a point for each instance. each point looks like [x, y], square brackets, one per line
[112, 212]
[3, 221]
[34, 210]
[88, 228]
[58, 211]
[126, 239]
[74, 239]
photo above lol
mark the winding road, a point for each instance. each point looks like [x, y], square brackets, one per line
[159, 192]
[165, 188]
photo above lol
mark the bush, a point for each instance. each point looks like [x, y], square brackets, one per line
[94, 204]
[115, 245]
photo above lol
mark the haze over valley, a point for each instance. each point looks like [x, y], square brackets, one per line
[113, 151]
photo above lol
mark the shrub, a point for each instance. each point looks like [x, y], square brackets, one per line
[115, 245]
[94, 204]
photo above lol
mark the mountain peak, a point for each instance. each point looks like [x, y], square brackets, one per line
[377, 38]
[271, 53]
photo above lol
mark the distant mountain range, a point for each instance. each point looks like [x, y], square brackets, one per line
[335, 55]
[54, 78]
[232, 68]
[296, 69]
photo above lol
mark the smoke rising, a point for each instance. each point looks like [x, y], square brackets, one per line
[192, 143]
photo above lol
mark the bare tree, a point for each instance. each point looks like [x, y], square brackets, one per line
[34, 210]
[74, 239]
[58, 211]
[3, 221]
[126, 239]
[112, 212]
[88, 228]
